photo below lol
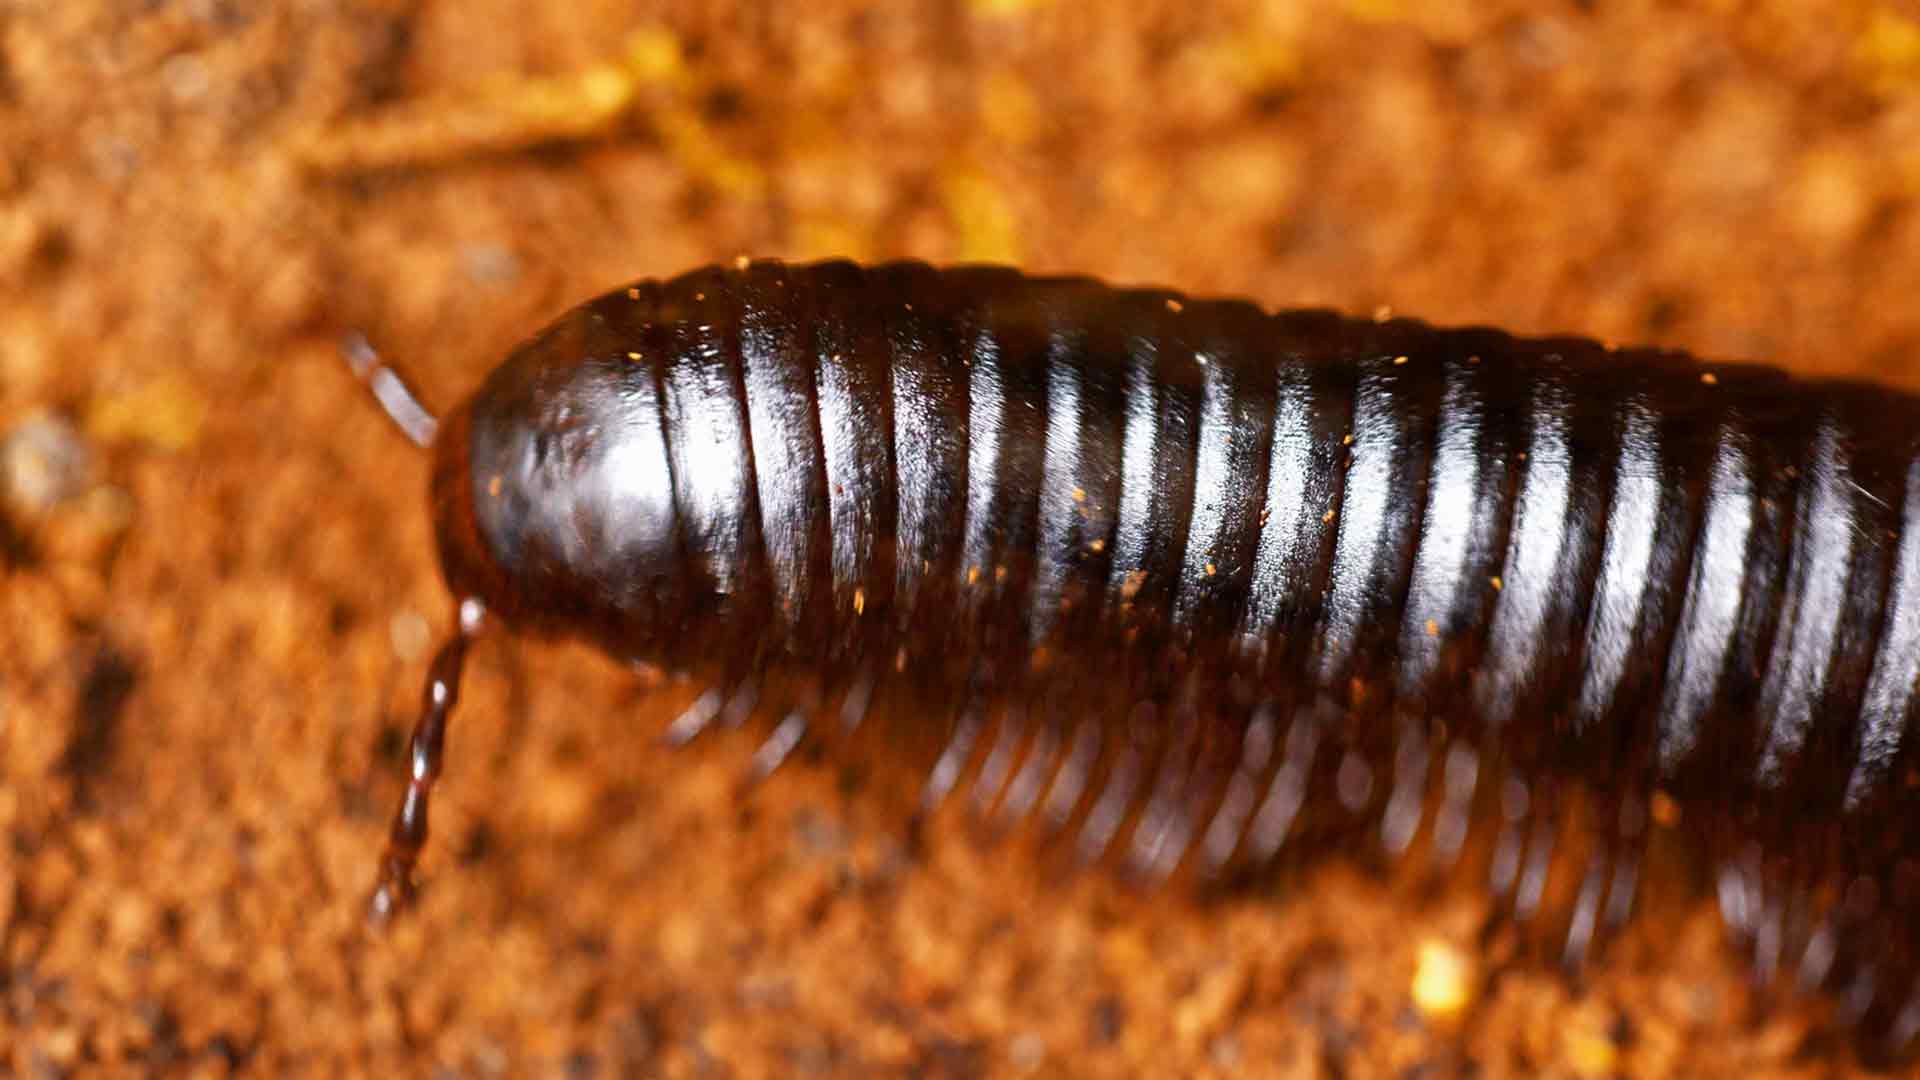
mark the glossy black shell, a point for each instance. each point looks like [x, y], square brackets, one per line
[1621, 567]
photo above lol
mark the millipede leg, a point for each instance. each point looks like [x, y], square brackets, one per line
[999, 761]
[853, 710]
[1229, 822]
[1162, 808]
[1816, 960]
[1537, 864]
[775, 750]
[394, 889]
[1407, 804]
[1070, 783]
[1288, 791]
[1860, 993]
[1461, 779]
[953, 760]
[1586, 913]
[1510, 845]
[1767, 935]
[1160, 837]
[1620, 893]
[688, 725]
[739, 708]
[1905, 1025]
[1109, 808]
[1024, 790]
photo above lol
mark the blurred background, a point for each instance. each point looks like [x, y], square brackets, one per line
[219, 589]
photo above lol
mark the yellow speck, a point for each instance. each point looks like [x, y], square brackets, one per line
[493, 485]
[564, 798]
[1666, 812]
[973, 575]
[741, 262]
[699, 298]
[1212, 569]
[1252, 59]
[634, 356]
[1326, 518]
[653, 55]
[1433, 628]
[603, 91]
[167, 413]
[1098, 546]
[986, 228]
[1443, 979]
[1497, 583]
[859, 601]
[1079, 494]
[1398, 360]
[1710, 378]
[1130, 588]
[633, 292]
[1008, 109]
[1175, 306]
[1383, 313]
[1375, 10]
[1888, 52]
[819, 235]
[1588, 1049]
[1003, 7]
[1346, 440]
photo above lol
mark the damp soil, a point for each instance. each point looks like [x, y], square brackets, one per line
[218, 591]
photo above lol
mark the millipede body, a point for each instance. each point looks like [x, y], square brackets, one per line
[1185, 583]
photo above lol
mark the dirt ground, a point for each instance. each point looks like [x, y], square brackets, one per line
[219, 588]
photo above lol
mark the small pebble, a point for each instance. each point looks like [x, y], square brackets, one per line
[490, 264]
[1226, 1051]
[43, 462]
[1027, 1052]
[410, 635]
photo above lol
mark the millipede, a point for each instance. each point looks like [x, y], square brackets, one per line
[1186, 586]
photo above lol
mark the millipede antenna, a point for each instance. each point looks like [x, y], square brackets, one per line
[402, 406]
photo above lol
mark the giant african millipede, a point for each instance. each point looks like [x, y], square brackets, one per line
[1183, 582]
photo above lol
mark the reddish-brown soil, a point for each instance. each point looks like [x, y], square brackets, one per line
[212, 629]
